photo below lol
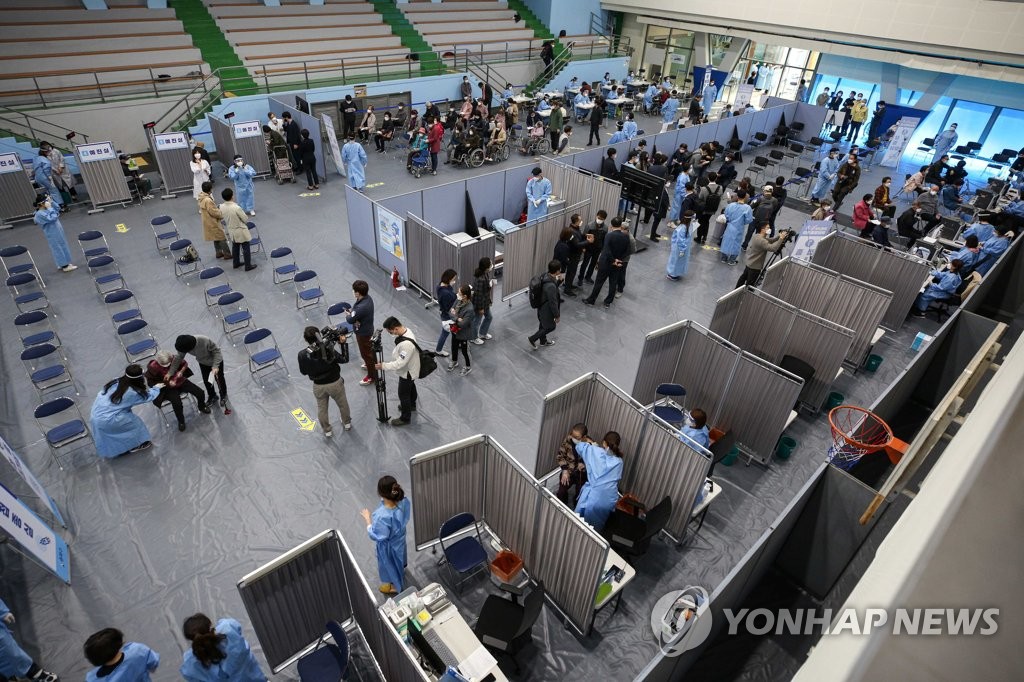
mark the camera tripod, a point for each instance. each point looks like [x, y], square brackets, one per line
[381, 383]
[774, 256]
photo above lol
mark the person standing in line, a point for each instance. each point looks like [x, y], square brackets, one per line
[200, 173]
[875, 127]
[322, 365]
[466, 88]
[760, 246]
[14, 662]
[609, 264]
[710, 95]
[538, 193]
[548, 312]
[858, 116]
[360, 318]
[555, 122]
[594, 238]
[847, 178]
[348, 117]
[156, 373]
[354, 157]
[435, 135]
[218, 653]
[115, 428]
[708, 201]
[608, 168]
[763, 207]
[446, 298]
[307, 155]
[737, 216]
[483, 298]
[238, 228]
[211, 217]
[242, 174]
[117, 661]
[405, 362]
[463, 318]
[577, 244]
[823, 98]
[293, 137]
[47, 216]
[211, 366]
[679, 256]
[386, 527]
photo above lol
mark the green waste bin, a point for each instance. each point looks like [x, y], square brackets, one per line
[729, 459]
[873, 362]
[785, 447]
[834, 400]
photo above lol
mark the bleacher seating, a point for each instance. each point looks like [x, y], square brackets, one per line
[485, 27]
[348, 32]
[64, 50]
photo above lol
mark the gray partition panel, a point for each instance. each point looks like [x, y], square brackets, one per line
[175, 174]
[363, 600]
[444, 207]
[362, 231]
[821, 344]
[411, 202]
[446, 481]
[104, 179]
[254, 151]
[290, 599]
[569, 557]
[16, 196]
[520, 245]
[515, 191]
[742, 126]
[418, 244]
[690, 136]
[223, 140]
[562, 409]
[658, 360]
[611, 409]
[510, 502]
[590, 159]
[813, 118]
[470, 254]
[726, 311]
[487, 192]
[705, 369]
[757, 404]
[664, 143]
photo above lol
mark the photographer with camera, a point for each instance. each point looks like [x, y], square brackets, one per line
[760, 246]
[321, 363]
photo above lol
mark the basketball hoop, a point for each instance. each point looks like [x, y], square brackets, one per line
[857, 432]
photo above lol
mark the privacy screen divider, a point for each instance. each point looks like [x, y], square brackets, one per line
[430, 252]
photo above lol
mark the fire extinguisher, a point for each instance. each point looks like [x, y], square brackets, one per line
[396, 281]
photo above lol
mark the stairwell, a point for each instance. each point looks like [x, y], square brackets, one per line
[540, 30]
[430, 64]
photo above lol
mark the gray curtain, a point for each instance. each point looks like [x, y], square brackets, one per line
[823, 345]
[510, 501]
[562, 408]
[705, 370]
[613, 410]
[104, 179]
[520, 245]
[223, 140]
[418, 257]
[658, 360]
[757, 405]
[446, 481]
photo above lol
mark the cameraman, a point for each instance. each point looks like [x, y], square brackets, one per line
[760, 246]
[320, 363]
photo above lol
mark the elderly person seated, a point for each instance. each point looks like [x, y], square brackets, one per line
[174, 385]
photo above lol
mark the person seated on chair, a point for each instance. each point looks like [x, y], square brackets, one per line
[864, 216]
[156, 373]
[912, 224]
[695, 429]
[915, 183]
[824, 210]
[619, 135]
[544, 104]
[992, 249]
[929, 202]
[933, 173]
[950, 196]
[957, 172]
[983, 229]
[880, 233]
[419, 143]
[599, 494]
[968, 255]
[496, 142]
[385, 133]
[134, 178]
[943, 285]
[573, 472]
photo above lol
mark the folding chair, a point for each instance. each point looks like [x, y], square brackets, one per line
[215, 284]
[665, 407]
[46, 366]
[794, 152]
[756, 140]
[757, 168]
[18, 259]
[802, 179]
[121, 306]
[61, 423]
[796, 130]
[165, 231]
[466, 555]
[812, 148]
[263, 352]
[137, 342]
[336, 315]
[93, 243]
[106, 276]
[34, 328]
[27, 292]
[177, 252]
[307, 289]
[166, 408]
[255, 243]
[283, 262]
[777, 156]
[234, 314]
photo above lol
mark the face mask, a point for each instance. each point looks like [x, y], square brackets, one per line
[932, 192]
[600, 221]
[575, 440]
[198, 156]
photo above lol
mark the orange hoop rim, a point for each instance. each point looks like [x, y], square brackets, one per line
[876, 427]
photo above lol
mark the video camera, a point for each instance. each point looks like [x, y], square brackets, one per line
[791, 235]
[328, 338]
[376, 344]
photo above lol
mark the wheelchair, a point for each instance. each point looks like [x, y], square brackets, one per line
[535, 146]
[420, 163]
[502, 153]
[474, 158]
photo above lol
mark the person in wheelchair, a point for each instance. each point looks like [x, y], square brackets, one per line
[533, 138]
[495, 143]
[465, 143]
[418, 145]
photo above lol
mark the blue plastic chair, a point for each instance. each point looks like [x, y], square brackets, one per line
[34, 328]
[27, 291]
[106, 275]
[255, 241]
[263, 352]
[215, 284]
[284, 265]
[307, 289]
[164, 232]
[177, 251]
[667, 410]
[466, 555]
[122, 306]
[336, 315]
[18, 259]
[46, 367]
[61, 424]
[137, 342]
[93, 243]
[328, 662]
[234, 314]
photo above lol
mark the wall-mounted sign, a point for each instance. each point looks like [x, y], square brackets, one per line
[247, 129]
[170, 141]
[99, 151]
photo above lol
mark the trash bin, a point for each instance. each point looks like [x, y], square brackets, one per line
[729, 459]
[834, 400]
[506, 566]
[785, 447]
[873, 362]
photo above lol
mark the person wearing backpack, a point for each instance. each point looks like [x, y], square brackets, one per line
[405, 362]
[544, 298]
[709, 199]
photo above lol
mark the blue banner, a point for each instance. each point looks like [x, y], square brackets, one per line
[717, 77]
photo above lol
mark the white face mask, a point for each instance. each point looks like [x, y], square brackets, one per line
[933, 192]
[600, 221]
[198, 156]
[575, 440]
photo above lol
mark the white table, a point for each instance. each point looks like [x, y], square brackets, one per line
[523, 99]
[638, 84]
[544, 113]
[460, 639]
[552, 94]
[614, 559]
[574, 91]
[619, 101]
[588, 105]
[701, 510]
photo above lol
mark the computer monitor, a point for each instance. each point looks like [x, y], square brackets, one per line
[983, 199]
[429, 655]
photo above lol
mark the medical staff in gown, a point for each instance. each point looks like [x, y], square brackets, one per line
[679, 257]
[992, 249]
[14, 662]
[218, 653]
[538, 192]
[828, 170]
[354, 157]
[737, 216]
[42, 173]
[115, 428]
[944, 284]
[386, 527]
[604, 469]
[47, 216]
[944, 141]
[242, 174]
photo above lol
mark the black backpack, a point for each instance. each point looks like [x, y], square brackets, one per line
[427, 362]
[713, 200]
[536, 292]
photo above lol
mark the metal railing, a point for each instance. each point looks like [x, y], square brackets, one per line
[35, 128]
[606, 29]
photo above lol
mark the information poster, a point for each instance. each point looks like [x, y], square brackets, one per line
[247, 129]
[390, 229]
[812, 232]
[170, 141]
[99, 151]
[743, 94]
[8, 453]
[10, 163]
[905, 127]
[332, 141]
[38, 539]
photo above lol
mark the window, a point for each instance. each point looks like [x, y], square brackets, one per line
[971, 119]
[929, 127]
[908, 97]
[1005, 133]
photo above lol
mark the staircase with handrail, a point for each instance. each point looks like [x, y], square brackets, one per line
[28, 128]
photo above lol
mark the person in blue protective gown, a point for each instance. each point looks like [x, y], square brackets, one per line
[710, 94]
[945, 141]
[47, 216]
[115, 428]
[982, 229]
[828, 171]
[649, 95]
[14, 662]
[354, 157]
[992, 249]
[737, 216]
[679, 257]
[669, 111]
[695, 430]
[538, 192]
[218, 653]
[42, 173]
[386, 527]
[968, 255]
[629, 128]
[943, 285]
[117, 661]
[604, 469]
[242, 174]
